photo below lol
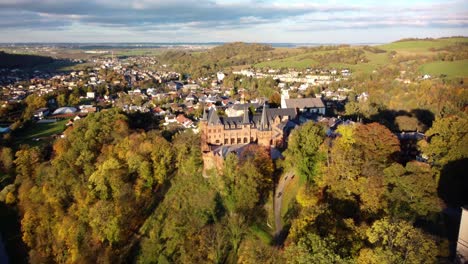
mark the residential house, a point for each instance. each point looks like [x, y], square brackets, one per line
[302, 105]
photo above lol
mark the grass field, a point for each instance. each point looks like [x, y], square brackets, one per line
[43, 132]
[303, 61]
[295, 59]
[298, 61]
[420, 46]
[452, 69]
[375, 61]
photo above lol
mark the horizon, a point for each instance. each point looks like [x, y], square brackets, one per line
[224, 21]
[224, 42]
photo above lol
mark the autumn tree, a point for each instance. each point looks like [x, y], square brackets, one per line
[358, 157]
[398, 242]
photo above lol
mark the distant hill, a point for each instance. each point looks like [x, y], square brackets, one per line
[8, 60]
[217, 58]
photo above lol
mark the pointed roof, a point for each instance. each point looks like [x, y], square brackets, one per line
[204, 117]
[264, 119]
[246, 119]
[213, 118]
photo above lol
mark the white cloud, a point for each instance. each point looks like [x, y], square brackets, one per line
[208, 20]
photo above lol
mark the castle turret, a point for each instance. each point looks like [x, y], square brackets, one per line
[264, 131]
[284, 97]
[203, 130]
[264, 119]
[246, 119]
[204, 116]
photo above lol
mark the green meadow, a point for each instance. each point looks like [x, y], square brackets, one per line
[451, 69]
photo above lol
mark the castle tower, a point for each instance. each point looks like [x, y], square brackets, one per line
[264, 130]
[245, 119]
[284, 97]
[203, 132]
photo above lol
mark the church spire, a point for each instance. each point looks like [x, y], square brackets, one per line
[264, 120]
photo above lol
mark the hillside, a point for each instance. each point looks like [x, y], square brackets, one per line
[216, 59]
[8, 60]
[445, 56]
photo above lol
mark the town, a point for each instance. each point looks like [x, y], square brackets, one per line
[163, 93]
[228, 150]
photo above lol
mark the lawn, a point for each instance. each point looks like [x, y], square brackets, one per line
[262, 234]
[39, 134]
[289, 194]
[452, 69]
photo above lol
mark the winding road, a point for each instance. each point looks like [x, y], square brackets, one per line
[283, 182]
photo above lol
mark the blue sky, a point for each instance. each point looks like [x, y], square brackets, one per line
[298, 21]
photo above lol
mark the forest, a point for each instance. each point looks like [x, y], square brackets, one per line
[113, 191]
[107, 192]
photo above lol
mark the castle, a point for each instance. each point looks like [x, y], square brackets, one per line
[266, 129]
[221, 135]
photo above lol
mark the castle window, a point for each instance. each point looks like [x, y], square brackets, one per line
[209, 130]
[226, 141]
[233, 140]
[245, 140]
[217, 141]
[239, 141]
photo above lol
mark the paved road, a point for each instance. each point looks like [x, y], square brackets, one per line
[283, 182]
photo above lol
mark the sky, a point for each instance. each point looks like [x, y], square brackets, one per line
[265, 21]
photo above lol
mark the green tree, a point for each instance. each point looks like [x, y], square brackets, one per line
[447, 140]
[303, 153]
[412, 190]
[33, 102]
[402, 242]
[62, 99]
[312, 248]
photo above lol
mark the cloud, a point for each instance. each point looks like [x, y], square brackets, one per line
[144, 12]
[216, 16]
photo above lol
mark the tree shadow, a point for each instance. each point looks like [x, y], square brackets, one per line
[453, 183]
[423, 119]
[32, 66]
[453, 190]
[10, 229]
